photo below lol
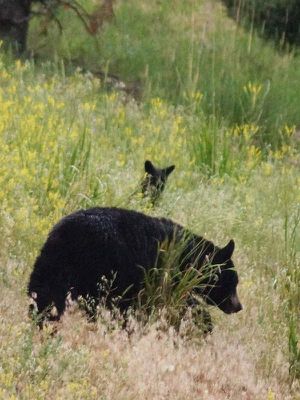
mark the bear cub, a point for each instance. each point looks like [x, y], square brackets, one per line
[155, 180]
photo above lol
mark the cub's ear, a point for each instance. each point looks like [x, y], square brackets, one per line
[227, 251]
[169, 169]
[149, 167]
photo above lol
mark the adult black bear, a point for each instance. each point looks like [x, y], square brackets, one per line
[89, 244]
[155, 179]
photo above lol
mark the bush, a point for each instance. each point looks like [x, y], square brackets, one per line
[277, 19]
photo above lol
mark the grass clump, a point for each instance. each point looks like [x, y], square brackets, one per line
[169, 288]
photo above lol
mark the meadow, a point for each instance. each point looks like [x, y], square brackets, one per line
[223, 106]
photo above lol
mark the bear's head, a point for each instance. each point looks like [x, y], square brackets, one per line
[221, 286]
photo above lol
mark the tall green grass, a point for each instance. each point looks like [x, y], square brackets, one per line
[180, 51]
[291, 289]
[171, 287]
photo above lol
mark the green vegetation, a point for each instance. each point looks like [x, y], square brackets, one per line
[223, 106]
[168, 288]
[276, 19]
[187, 51]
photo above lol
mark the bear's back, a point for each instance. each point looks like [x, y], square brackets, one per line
[89, 244]
[116, 238]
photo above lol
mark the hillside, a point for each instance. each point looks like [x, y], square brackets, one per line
[221, 104]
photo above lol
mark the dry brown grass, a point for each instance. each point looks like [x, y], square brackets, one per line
[101, 361]
[246, 357]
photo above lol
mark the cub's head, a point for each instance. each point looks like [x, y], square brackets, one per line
[155, 179]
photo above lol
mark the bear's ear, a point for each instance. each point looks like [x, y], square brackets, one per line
[227, 251]
[149, 167]
[169, 169]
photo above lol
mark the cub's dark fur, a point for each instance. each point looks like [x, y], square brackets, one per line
[90, 244]
[155, 180]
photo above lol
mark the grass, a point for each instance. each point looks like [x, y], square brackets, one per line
[87, 148]
[227, 117]
[182, 50]
[168, 289]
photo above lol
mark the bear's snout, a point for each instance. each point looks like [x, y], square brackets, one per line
[234, 305]
[231, 305]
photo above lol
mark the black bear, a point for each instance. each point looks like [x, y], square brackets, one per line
[90, 244]
[155, 179]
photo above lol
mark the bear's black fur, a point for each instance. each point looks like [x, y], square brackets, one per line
[155, 180]
[89, 244]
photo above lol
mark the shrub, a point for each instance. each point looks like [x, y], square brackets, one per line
[277, 19]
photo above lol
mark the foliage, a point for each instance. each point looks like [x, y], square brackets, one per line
[50, 10]
[211, 66]
[277, 19]
[170, 289]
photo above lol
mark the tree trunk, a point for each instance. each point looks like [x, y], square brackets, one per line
[14, 18]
